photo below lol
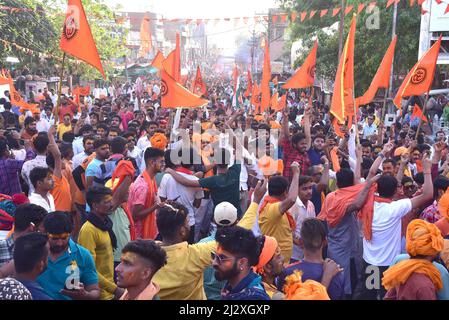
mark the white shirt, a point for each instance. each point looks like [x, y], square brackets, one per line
[50, 119]
[143, 143]
[301, 213]
[42, 125]
[78, 159]
[170, 189]
[20, 154]
[37, 199]
[385, 244]
[77, 145]
[138, 155]
[39, 161]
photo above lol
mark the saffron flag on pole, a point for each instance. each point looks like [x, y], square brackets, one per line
[157, 61]
[76, 38]
[266, 76]
[304, 77]
[174, 95]
[249, 85]
[255, 97]
[417, 113]
[145, 37]
[342, 105]
[420, 77]
[199, 87]
[172, 64]
[382, 77]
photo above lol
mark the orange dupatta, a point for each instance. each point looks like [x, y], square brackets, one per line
[149, 227]
[271, 200]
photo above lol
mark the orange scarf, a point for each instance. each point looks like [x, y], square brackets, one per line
[271, 200]
[149, 227]
[367, 212]
[400, 272]
[296, 289]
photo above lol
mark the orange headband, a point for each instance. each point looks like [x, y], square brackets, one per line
[268, 251]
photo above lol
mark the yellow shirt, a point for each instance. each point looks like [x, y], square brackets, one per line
[275, 224]
[182, 277]
[63, 129]
[99, 245]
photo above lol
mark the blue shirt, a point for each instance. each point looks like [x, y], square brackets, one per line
[249, 288]
[37, 292]
[314, 156]
[443, 294]
[76, 262]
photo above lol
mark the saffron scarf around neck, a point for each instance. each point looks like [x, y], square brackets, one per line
[399, 273]
[149, 227]
[271, 200]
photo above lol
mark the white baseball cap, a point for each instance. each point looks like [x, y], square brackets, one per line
[225, 214]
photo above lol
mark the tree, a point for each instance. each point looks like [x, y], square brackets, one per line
[40, 29]
[371, 44]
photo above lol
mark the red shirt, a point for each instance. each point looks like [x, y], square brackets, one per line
[417, 287]
[291, 155]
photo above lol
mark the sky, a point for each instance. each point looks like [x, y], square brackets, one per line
[224, 33]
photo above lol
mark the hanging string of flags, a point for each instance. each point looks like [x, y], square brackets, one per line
[275, 18]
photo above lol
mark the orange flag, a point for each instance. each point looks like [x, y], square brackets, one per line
[158, 59]
[283, 102]
[382, 77]
[266, 77]
[304, 77]
[255, 97]
[4, 77]
[172, 64]
[274, 101]
[199, 87]
[15, 96]
[174, 95]
[342, 104]
[145, 36]
[235, 76]
[420, 77]
[337, 128]
[417, 113]
[275, 81]
[76, 38]
[249, 86]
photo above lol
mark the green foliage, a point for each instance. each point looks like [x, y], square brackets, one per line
[370, 44]
[41, 30]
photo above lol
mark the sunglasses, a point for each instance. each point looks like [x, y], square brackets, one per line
[220, 258]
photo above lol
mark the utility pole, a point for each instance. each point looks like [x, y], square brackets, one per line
[341, 27]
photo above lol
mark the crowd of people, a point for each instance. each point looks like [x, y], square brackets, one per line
[111, 196]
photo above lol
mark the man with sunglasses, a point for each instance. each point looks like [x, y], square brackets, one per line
[71, 272]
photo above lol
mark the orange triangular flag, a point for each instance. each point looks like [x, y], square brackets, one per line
[249, 86]
[174, 95]
[283, 102]
[323, 12]
[342, 104]
[389, 3]
[199, 85]
[303, 15]
[304, 77]
[337, 128]
[294, 15]
[420, 77]
[417, 113]
[348, 10]
[382, 77]
[4, 77]
[336, 11]
[172, 64]
[145, 37]
[274, 101]
[360, 8]
[158, 59]
[312, 14]
[255, 97]
[76, 38]
[266, 77]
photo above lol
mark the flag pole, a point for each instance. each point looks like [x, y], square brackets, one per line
[382, 117]
[424, 113]
[60, 85]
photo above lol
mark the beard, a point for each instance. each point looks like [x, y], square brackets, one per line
[228, 274]
[58, 249]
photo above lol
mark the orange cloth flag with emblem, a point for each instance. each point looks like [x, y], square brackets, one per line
[199, 87]
[422, 239]
[3, 77]
[172, 64]
[420, 77]
[304, 77]
[80, 91]
[174, 95]
[145, 36]
[76, 38]
[417, 113]
[342, 104]
[382, 77]
[266, 77]
[158, 59]
[249, 85]
[16, 97]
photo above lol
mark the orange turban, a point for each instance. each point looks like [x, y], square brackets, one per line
[275, 125]
[268, 251]
[423, 239]
[443, 205]
[269, 166]
[295, 289]
[124, 169]
[159, 141]
[258, 117]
